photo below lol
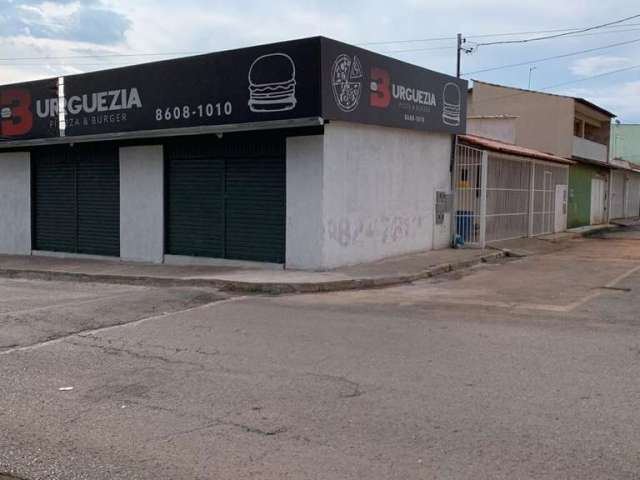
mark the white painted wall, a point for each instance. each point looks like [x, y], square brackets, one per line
[361, 193]
[15, 203]
[304, 237]
[142, 203]
[379, 191]
[497, 128]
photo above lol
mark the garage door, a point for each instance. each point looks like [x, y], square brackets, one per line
[226, 198]
[76, 200]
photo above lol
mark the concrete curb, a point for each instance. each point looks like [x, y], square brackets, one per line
[251, 287]
[600, 231]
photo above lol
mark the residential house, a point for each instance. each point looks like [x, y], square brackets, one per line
[504, 191]
[568, 127]
[624, 155]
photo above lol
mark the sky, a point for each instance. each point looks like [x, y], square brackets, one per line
[35, 34]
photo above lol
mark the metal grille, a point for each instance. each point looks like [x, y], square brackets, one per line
[632, 197]
[508, 198]
[500, 198]
[546, 177]
[470, 196]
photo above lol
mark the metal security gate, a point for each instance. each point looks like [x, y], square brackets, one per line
[470, 195]
[76, 199]
[508, 198]
[499, 197]
[226, 198]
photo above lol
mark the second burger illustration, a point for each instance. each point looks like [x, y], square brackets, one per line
[272, 83]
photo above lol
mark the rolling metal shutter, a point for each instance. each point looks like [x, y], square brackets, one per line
[226, 198]
[255, 209]
[76, 200]
[98, 186]
[195, 207]
[54, 201]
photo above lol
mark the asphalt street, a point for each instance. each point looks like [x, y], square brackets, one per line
[525, 369]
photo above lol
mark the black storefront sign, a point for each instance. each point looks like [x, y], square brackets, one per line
[301, 79]
[22, 110]
[366, 87]
[257, 84]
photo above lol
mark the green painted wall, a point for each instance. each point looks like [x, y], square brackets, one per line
[625, 143]
[580, 176]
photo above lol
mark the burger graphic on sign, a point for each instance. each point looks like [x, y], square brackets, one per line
[272, 83]
[451, 104]
[346, 80]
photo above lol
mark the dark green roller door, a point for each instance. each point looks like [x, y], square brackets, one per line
[76, 200]
[54, 201]
[195, 212]
[226, 198]
[255, 212]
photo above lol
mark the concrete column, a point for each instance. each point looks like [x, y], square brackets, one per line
[304, 236]
[142, 203]
[15, 203]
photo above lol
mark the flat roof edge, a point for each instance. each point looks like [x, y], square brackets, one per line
[173, 132]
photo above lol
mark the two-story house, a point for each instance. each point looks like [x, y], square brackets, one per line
[569, 127]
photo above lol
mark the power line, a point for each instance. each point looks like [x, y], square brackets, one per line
[612, 72]
[557, 85]
[527, 40]
[428, 49]
[110, 55]
[555, 57]
[569, 31]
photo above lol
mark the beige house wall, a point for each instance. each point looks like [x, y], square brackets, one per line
[545, 121]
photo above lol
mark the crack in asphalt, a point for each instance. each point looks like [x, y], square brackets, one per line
[140, 356]
[80, 333]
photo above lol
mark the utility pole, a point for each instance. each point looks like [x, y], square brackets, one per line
[458, 72]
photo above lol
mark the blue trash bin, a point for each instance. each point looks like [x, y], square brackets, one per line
[464, 224]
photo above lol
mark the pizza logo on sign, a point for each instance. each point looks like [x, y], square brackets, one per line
[346, 80]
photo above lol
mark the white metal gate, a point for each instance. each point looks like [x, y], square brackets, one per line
[470, 174]
[500, 198]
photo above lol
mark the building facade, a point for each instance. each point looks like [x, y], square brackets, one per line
[625, 182]
[505, 191]
[309, 154]
[569, 127]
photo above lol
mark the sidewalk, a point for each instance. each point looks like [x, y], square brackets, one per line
[377, 274]
[392, 271]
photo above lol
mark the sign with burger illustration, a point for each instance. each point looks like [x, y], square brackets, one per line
[301, 79]
[371, 88]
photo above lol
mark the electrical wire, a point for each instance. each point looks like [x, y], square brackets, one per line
[569, 31]
[548, 37]
[555, 57]
[558, 85]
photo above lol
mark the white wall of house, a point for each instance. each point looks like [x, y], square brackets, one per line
[499, 127]
[15, 203]
[142, 203]
[361, 193]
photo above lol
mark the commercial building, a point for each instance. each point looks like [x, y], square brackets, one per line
[568, 127]
[309, 154]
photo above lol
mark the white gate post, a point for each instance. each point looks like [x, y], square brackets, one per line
[483, 198]
[532, 196]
